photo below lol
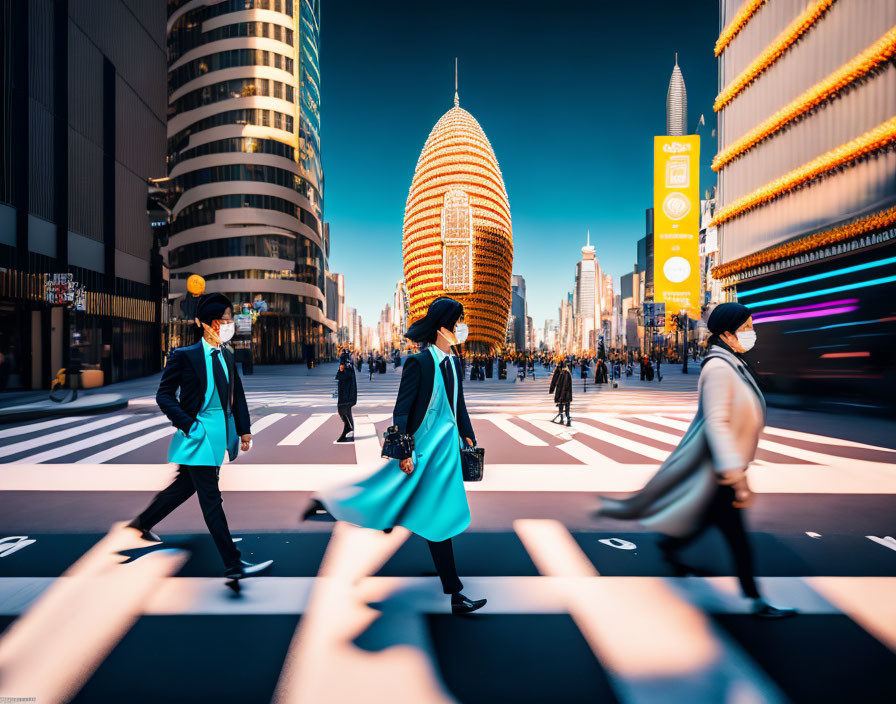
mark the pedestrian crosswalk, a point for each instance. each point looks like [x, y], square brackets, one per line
[516, 436]
[588, 601]
[359, 604]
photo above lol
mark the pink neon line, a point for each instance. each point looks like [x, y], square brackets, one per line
[807, 314]
[845, 301]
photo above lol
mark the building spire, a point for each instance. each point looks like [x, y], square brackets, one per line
[676, 104]
[456, 98]
[588, 238]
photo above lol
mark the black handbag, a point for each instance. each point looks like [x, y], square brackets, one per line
[472, 461]
[397, 446]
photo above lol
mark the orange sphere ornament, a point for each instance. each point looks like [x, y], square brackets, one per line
[196, 285]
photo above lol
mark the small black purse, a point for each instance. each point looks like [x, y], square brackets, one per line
[397, 446]
[472, 461]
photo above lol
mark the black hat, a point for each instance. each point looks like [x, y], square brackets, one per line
[727, 317]
[443, 312]
[212, 306]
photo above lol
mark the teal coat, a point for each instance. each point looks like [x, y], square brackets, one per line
[431, 502]
[187, 396]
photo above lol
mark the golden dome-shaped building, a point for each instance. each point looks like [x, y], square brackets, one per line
[457, 238]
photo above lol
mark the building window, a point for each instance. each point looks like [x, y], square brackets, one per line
[457, 242]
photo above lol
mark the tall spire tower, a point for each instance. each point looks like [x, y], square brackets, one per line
[588, 249]
[456, 98]
[676, 104]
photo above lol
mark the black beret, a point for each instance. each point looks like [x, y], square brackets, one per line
[212, 306]
[727, 317]
[443, 312]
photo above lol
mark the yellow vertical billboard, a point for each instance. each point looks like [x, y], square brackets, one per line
[676, 224]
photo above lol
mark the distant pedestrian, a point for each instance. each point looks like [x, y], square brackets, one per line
[561, 387]
[347, 396]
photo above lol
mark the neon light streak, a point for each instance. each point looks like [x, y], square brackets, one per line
[843, 355]
[806, 314]
[836, 325]
[822, 292]
[825, 347]
[814, 306]
[816, 277]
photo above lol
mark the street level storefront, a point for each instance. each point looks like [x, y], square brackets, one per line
[825, 315]
[119, 335]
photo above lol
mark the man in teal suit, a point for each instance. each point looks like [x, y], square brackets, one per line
[211, 417]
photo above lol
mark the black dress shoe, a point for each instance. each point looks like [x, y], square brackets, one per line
[762, 609]
[246, 569]
[351, 439]
[462, 605]
[144, 533]
[316, 510]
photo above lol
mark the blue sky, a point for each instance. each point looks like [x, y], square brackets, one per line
[569, 93]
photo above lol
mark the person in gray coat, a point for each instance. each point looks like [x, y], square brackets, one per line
[703, 483]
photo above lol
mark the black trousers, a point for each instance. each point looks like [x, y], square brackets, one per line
[204, 482]
[348, 423]
[729, 521]
[563, 408]
[443, 558]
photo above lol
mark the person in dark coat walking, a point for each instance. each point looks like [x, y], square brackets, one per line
[347, 389]
[201, 394]
[424, 492]
[561, 386]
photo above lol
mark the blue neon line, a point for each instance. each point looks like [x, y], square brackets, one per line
[816, 277]
[859, 405]
[825, 347]
[822, 292]
[828, 327]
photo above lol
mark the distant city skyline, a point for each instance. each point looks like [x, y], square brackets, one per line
[572, 128]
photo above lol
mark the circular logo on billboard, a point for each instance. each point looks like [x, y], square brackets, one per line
[676, 206]
[676, 269]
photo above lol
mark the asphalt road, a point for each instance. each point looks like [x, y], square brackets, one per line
[822, 530]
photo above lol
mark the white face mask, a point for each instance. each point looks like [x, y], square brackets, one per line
[460, 333]
[225, 332]
[747, 339]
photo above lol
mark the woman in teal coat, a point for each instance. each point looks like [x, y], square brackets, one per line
[424, 493]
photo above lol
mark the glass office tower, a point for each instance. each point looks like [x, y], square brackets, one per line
[244, 156]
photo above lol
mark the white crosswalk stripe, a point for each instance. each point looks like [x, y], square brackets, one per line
[41, 440]
[92, 441]
[607, 432]
[307, 427]
[635, 423]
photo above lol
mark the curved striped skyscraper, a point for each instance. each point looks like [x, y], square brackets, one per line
[676, 104]
[244, 153]
[458, 239]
